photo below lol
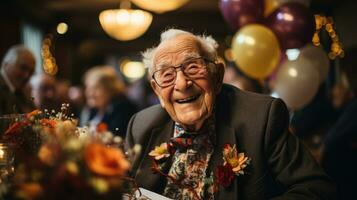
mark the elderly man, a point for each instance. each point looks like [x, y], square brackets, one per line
[17, 67]
[213, 141]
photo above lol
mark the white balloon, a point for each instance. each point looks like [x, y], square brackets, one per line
[297, 83]
[318, 58]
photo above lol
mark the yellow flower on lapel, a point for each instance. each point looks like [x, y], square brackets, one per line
[160, 152]
[238, 161]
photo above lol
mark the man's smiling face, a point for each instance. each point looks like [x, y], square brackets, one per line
[188, 101]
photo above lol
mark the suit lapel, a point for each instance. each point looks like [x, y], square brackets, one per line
[224, 134]
[150, 180]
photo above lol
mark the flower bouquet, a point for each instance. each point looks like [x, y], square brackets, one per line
[65, 161]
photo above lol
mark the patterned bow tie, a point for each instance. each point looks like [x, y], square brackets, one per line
[183, 139]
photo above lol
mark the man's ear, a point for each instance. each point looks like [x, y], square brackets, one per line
[156, 89]
[219, 77]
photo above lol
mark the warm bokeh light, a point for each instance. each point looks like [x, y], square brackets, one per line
[293, 72]
[62, 28]
[125, 24]
[132, 69]
[159, 6]
[2, 153]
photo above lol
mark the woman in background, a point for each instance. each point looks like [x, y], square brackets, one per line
[106, 101]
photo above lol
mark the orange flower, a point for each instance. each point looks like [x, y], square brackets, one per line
[32, 113]
[160, 152]
[237, 161]
[107, 161]
[29, 191]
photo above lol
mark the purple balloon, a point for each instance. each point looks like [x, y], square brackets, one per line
[293, 24]
[238, 13]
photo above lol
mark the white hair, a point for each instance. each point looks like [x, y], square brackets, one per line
[107, 77]
[13, 53]
[207, 44]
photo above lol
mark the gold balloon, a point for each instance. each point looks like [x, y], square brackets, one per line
[256, 50]
[270, 6]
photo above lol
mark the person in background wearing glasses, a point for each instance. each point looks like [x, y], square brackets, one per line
[199, 116]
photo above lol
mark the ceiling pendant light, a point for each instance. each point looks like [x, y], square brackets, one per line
[159, 6]
[125, 24]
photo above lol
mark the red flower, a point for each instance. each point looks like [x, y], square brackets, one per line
[102, 127]
[16, 128]
[224, 175]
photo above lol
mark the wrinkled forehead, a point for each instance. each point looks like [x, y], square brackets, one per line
[174, 51]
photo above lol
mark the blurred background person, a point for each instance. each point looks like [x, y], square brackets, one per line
[106, 101]
[17, 68]
[44, 92]
[339, 157]
[77, 100]
[141, 93]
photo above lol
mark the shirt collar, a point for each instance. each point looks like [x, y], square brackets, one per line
[208, 128]
[7, 81]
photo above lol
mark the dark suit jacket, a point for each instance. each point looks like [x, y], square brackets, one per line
[13, 103]
[258, 125]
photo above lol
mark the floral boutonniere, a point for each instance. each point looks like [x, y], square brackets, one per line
[158, 157]
[233, 165]
[160, 152]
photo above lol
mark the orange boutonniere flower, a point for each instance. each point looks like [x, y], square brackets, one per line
[107, 161]
[238, 161]
[160, 152]
[234, 164]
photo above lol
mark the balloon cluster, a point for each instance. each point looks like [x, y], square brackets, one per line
[265, 29]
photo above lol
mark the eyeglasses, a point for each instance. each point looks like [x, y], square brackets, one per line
[193, 69]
